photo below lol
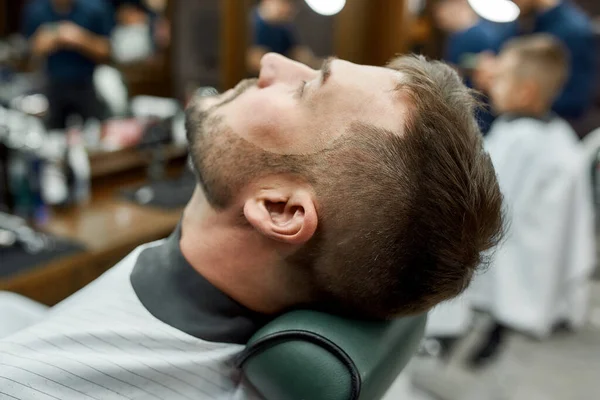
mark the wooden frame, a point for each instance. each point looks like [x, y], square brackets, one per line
[373, 31]
[234, 41]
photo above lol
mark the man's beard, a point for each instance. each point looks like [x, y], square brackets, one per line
[201, 114]
[224, 162]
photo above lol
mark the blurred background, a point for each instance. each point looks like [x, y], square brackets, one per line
[93, 150]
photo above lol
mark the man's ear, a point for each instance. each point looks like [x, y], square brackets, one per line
[285, 216]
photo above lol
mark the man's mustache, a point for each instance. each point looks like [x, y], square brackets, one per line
[202, 114]
[239, 89]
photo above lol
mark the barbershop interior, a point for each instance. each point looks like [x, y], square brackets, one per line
[300, 199]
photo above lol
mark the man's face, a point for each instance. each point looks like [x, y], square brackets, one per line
[506, 91]
[287, 10]
[453, 15]
[290, 110]
[281, 10]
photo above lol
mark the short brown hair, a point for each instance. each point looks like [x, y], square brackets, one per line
[407, 217]
[543, 58]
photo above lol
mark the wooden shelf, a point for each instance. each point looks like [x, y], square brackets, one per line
[108, 226]
[105, 163]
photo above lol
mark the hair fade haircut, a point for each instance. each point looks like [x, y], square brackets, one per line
[543, 58]
[407, 217]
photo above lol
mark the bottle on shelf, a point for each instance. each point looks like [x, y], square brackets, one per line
[77, 164]
[6, 199]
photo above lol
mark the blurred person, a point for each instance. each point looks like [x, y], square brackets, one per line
[132, 36]
[71, 37]
[274, 31]
[358, 190]
[132, 17]
[540, 274]
[572, 26]
[468, 36]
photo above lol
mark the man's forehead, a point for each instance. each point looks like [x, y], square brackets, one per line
[355, 94]
[382, 104]
[382, 72]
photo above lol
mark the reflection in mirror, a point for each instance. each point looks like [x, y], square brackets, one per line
[196, 45]
[290, 28]
[141, 29]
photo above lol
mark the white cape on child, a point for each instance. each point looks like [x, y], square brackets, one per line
[540, 274]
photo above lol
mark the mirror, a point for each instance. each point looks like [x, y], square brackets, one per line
[196, 45]
[301, 30]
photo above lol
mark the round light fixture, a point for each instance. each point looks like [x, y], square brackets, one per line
[326, 7]
[496, 10]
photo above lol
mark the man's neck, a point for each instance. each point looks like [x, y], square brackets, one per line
[235, 259]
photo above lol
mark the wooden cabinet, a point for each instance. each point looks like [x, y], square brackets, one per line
[108, 226]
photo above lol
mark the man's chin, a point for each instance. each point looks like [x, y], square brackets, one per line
[204, 104]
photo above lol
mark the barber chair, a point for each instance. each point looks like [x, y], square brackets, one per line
[316, 356]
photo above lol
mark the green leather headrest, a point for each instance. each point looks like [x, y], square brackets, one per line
[312, 356]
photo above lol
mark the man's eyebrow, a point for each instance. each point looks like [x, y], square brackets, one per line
[326, 69]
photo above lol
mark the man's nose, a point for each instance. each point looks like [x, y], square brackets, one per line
[275, 68]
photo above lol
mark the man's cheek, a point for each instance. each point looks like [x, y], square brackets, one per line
[255, 116]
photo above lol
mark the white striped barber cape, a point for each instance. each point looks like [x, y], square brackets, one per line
[102, 343]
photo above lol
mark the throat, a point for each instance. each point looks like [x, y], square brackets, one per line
[240, 263]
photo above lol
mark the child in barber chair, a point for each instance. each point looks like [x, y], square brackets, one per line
[539, 275]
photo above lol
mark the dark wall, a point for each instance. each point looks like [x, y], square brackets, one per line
[11, 14]
[196, 44]
[592, 7]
